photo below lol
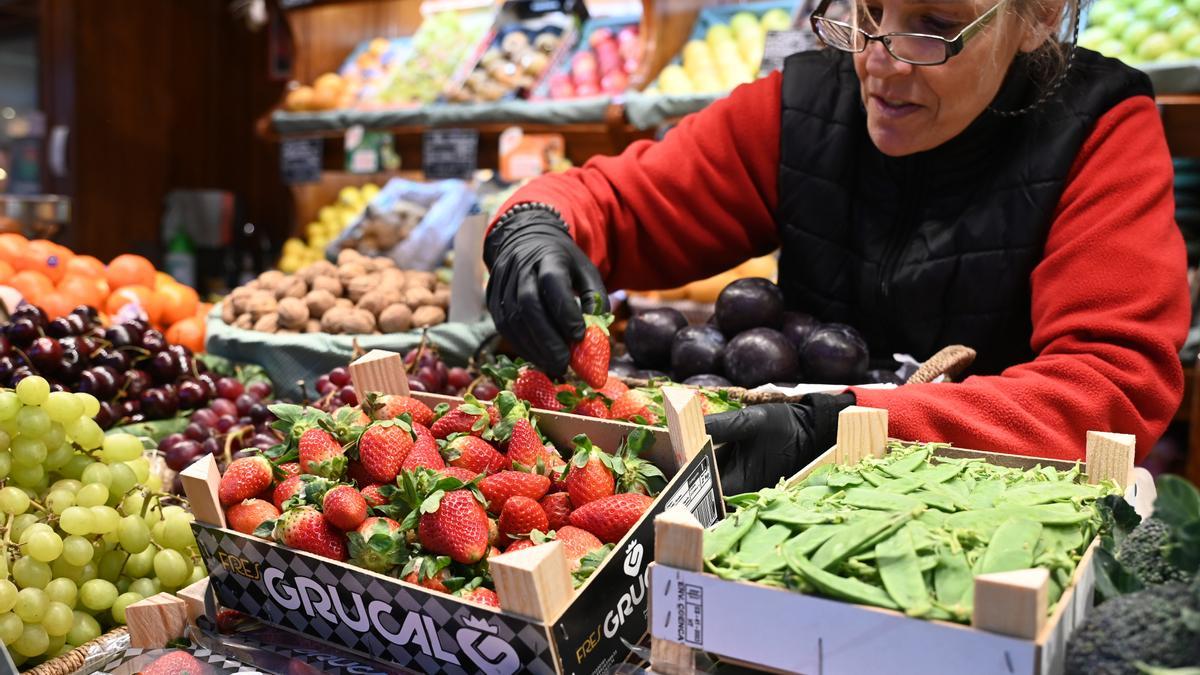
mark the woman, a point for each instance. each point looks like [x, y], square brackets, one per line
[979, 183]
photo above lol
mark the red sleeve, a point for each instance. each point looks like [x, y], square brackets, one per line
[1110, 312]
[696, 203]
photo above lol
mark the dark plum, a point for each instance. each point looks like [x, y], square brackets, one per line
[649, 336]
[708, 380]
[650, 374]
[798, 327]
[835, 354]
[622, 366]
[749, 303]
[696, 351]
[229, 388]
[485, 390]
[22, 332]
[760, 356]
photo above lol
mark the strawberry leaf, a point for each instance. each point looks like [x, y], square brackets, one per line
[265, 529]
[440, 411]
[432, 502]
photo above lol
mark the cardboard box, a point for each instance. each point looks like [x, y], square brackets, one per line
[784, 630]
[543, 628]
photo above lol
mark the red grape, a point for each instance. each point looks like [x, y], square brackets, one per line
[485, 391]
[458, 378]
[260, 389]
[229, 388]
[206, 418]
[196, 432]
[180, 456]
[348, 396]
[340, 377]
[223, 407]
[244, 403]
[226, 423]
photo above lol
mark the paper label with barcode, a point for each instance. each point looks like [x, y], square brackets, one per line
[697, 495]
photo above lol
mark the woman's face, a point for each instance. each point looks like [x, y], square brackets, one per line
[916, 108]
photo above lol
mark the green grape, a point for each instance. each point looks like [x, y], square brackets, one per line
[13, 500]
[123, 583]
[141, 564]
[65, 570]
[124, 600]
[27, 451]
[198, 573]
[111, 540]
[5, 463]
[172, 568]
[173, 510]
[69, 484]
[5, 440]
[97, 473]
[33, 640]
[74, 468]
[33, 422]
[27, 476]
[131, 505]
[21, 523]
[56, 437]
[32, 530]
[145, 587]
[92, 494]
[88, 572]
[107, 518]
[84, 629]
[77, 520]
[111, 564]
[8, 595]
[11, 627]
[91, 405]
[30, 573]
[59, 456]
[177, 532]
[97, 594]
[33, 390]
[62, 590]
[122, 448]
[10, 404]
[31, 604]
[85, 432]
[134, 534]
[77, 551]
[153, 512]
[9, 426]
[45, 546]
[58, 619]
[156, 532]
[56, 645]
[123, 479]
[58, 500]
[62, 406]
[141, 468]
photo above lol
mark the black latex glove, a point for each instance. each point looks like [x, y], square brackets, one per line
[537, 273]
[764, 443]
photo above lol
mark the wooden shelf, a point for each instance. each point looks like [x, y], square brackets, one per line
[1181, 122]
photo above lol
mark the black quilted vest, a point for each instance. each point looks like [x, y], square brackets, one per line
[931, 249]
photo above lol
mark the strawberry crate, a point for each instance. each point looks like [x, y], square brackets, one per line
[544, 624]
[1011, 631]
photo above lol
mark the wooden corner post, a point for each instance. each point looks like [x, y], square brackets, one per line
[381, 372]
[678, 543]
[862, 432]
[685, 422]
[534, 582]
[1012, 603]
[155, 621]
[1110, 456]
[200, 480]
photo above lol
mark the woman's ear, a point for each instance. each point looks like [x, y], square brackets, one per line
[1043, 25]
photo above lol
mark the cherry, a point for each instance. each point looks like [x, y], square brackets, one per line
[191, 395]
[113, 358]
[170, 441]
[223, 407]
[208, 382]
[59, 328]
[211, 445]
[205, 417]
[31, 312]
[78, 324]
[136, 382]
[22, 332]
[162, 367]
[159, 403]
[119, 335]
[107, 415]
[183, 454]
[153, 341]
[88, 314]
[5, 345]
[71, 366]
[137, 326]
[244, 403]
[225, 423]
[195, 432]
[46, 354]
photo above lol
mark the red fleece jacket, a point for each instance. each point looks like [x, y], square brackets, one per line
[1110, 298]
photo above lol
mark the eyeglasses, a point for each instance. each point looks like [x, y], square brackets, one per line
[918, 49]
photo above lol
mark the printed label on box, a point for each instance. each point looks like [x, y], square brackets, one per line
[696, 494]
[366, 613]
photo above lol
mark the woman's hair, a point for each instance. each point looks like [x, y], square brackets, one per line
[1048, 65]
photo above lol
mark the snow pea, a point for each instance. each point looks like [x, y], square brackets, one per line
[939, 499]
[758, 551]
[811, 493]
[874, 477]
[903, 485]
[843, 479]
[809, 540]
[796, 515]
[953, 582]
[984, 494]
[939, 473]
[838, 587]
[1011, 547]
[1059, 538]
[900, 571]
[1045, 493]
[857, 536]
[727, 533]
[878, 500]
[906, 464]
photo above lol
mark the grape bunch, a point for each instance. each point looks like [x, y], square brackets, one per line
[83, 534]
[129, 367]
[426, 372]
[234, 424]
[334, 390]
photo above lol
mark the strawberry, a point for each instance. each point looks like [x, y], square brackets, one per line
[558, 509]
[243, 479]
[637, 405]
[576, 543]
[534, 386]
[519, 545]
[713, 402]
[493, 532]
[344, 507]
[246, 516]
[321, 454]
[377, 544]
[302, 490]
[638, 475]
[457, 528]
[609, 518]
[373, 495]
[613, 388]
[500, 486]
[433, 583]
[305, 528]
[473, 454]
[493, 552]
[468, 418]
[465, 475]
[566, 387]
[590, 473]
[289, 469]
[424, 452]
[285, 490]
[520, 516]
[356, 473]
[589, 356]
[177, 662]
[592, 407]
[482, 596]
[525, 445]
[382, 449]
[390, 407]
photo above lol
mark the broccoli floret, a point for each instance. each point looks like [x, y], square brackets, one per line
[1143, 554]
[1148, 626]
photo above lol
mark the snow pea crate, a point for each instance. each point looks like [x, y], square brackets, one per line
[1012, 630]
[544, 624]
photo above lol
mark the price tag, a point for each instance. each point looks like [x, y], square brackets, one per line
[370, 151]
[780, 44]
[450, 153]
[300, 160]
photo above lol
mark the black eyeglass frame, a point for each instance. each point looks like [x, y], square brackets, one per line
[953, 45]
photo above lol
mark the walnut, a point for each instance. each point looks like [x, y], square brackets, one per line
[416, 297]
[349, 272]
[270, 279]
[260, 304]
[344, 302]
[238, 299]
[359, 322]
[290, 287]
[428, 315]
[321, 268]
[268, 323]
[426, 280]
[313, 326]
[334, 320]
[360, 286]
[319, 302]
[375, 301]
[227, 313]
[393, 278]
[244, 321]
[293, 313]
[328, 283]
[395, 318]
[349, 255]
[441, 298]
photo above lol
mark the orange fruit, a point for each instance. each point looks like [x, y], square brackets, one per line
[12, 245]
[138, 294]
[84, 290]
[6, 272]
[177, 302]
[31, 284]
[203, 308]
[86, 265]
[56, 304]
[188, 332]
[163, 279]
[130, 270]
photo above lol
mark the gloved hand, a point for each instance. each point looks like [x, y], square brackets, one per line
[537, 273]
[764, 443]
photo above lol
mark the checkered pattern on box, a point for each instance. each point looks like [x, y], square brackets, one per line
[218, 662]
[435, 634]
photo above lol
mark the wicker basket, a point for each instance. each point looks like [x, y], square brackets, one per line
[950, 361]
[75, 660]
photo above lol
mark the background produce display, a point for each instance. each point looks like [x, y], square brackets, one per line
[1145, 31]
[358, 295]
[440, 45]
[86, 532]
[331, 221]
[518, 57]
[608, 55]
[724, 51]
[705, 291]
